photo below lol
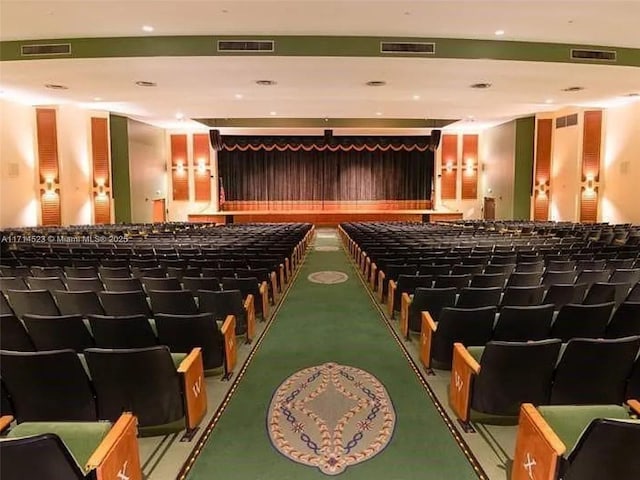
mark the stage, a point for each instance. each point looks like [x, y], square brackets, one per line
[324, 217]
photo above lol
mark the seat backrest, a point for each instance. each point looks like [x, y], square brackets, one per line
[133, 331]
[469, 326]
[36, 302]
[48, 386]
[46, 283]
[607, 449]
[471, 297]
[58, 332]
[13, 283]
[626, 275]
[81, 272]
[78, 303]
[13, 335]
[625, 321]
[84, 283]
[193, 284]
[484, 280]
[560, 294]
[5, 308]
[135, 380]
[182, 333]
[179, 302]
[592, 276]
[42, 456]
[513, 373]
[601, 292]
[523, 323]
[594, 371]
[552, 277]
[524, 279]
[578, 320]
[458, 281]
[122, 284]
[523, 296]
[223, 303]
[432, 300]
[114, 272]
[160, 283]
[124, 303]
[634, 294]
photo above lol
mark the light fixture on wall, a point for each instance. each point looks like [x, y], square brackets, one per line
[180, 167]
[201, 166]
[469, 165]
[449, 166]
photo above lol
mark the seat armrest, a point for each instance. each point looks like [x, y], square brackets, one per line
[283, 280]
[365, 266]
[250, 308]
[427, 329]
[381, 277]
[274, 284]
[404, 314]
[287, 266]
[393, 286]
[118, 455]
[634, 405]
[5, 421]
[230, 349]
[195, 393]
[264, 293]
[538, 448]
[464, 368]
[373, 275]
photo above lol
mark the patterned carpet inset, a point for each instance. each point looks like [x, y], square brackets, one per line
[331, 416]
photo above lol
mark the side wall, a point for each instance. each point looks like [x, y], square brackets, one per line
[497, 153]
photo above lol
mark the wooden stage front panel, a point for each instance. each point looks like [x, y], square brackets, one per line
[325, 217]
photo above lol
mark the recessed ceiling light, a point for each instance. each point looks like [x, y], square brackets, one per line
[633, 94]
[470, 117]
[147, 28]
[97, 99]
[55, 86]
[273, 113]
[224, 10]
[238, 96]
[416, 97]
[266, 83]
[376, 83]
[179, 115]
[572, 89]
[378, 113]
[145, 83]
[499, 32]
[480, 85]
[548, 100]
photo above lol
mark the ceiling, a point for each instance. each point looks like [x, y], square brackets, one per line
[331, 87]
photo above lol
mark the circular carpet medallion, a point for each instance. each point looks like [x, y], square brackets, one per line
[328, 277]
[326, 249]
[331, 416]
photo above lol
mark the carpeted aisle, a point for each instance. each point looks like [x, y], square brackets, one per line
[321, 323]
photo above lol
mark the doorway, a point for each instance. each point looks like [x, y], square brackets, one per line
[159, 211]
[489, 208]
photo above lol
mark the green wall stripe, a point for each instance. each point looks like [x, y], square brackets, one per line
[310, 46]
[119, 129]
[525, 129]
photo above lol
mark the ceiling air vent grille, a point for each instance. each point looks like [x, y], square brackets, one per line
[415, 48]
[43, 50]
[594, 55]
[253, 46]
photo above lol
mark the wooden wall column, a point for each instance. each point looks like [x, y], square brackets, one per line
[101, 167]
[542, 175]
[179, 167]
[202, 167]
[449, 168]
[470, 167]
[590, 181]
[48, 166]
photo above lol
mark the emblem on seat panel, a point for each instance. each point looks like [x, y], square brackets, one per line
[529, 464]
[330, 416]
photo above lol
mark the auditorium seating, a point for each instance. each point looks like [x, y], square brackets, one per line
[70, 450]
[595, 442]
[497, 378]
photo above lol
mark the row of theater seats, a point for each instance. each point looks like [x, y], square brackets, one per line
[113, 363]
[439, 330]
[574, 425]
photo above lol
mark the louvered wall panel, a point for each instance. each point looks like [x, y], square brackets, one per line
[100, 151]
[542, 176]
[48, 167]
[589, 207]
[469, 174]
[179, 167]
[102, 209]
[591, 144]
[448, 181]
[202, 167]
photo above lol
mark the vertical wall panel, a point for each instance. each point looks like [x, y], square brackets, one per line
[202, 167]
[469, 167]
[591, 144]
[179, 167]
[542, 174]
[101, 169]
[449, 170]
[48, 166]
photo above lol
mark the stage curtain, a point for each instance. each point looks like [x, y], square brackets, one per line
[268, 175]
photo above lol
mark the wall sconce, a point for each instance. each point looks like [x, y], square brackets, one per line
[180, 167]
[449, 166]
[201, 166]
[101, 192]
[469, 167]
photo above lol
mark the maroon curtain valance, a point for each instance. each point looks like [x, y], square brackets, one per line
[243, 143]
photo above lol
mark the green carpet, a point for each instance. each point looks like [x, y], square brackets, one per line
[329, 323]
